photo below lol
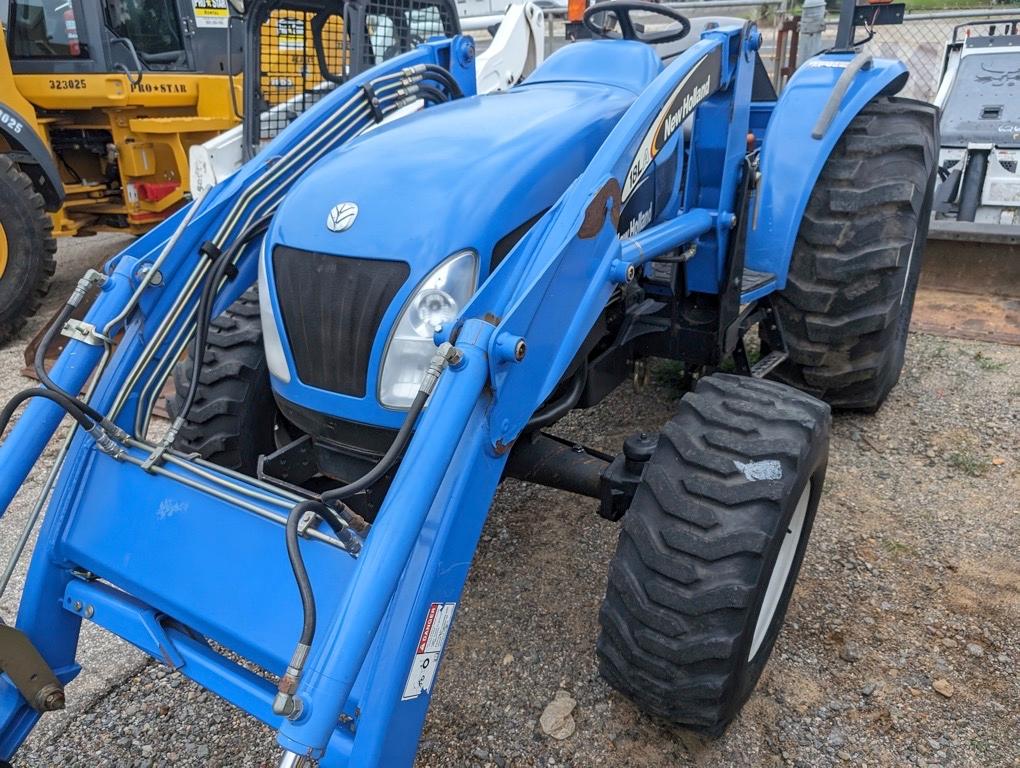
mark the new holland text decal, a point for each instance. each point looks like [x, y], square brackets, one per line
[700, 83]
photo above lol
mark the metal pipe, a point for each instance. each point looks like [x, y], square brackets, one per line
[664, 237]
[981, 14]
[561, 10]
[341, 648]
[845, 30]
[263, 207]
[260, 511]
[262, 183]
[285, 500]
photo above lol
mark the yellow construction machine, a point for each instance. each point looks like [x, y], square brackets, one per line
[100, 102]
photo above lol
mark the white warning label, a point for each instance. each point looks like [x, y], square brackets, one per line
[430, 648]
[211, 13]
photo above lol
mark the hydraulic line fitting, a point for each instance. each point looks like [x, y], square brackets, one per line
[91, 278]
[164, 445]
[106, 444]
[286, 704]
[446, 354]
[347, 535]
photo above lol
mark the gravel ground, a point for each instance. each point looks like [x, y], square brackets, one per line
[901, 647]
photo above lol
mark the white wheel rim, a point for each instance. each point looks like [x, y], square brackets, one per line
[781, 572]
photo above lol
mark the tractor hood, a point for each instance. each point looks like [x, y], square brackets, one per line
[449, 177]
[353, 241]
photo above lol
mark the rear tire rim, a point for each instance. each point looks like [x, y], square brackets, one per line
[3, 250]
[781, 571]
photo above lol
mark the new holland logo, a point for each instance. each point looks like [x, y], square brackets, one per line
[341, 217]
[697, 85]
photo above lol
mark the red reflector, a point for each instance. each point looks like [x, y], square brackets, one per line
[154, 191]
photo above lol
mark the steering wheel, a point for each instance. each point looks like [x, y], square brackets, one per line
[601, 19]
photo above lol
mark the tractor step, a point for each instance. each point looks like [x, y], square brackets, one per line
[752, 283]
[767, 364]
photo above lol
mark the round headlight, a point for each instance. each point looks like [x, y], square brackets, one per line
[434, 307]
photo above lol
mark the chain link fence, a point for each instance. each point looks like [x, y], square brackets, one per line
[920, 42]
[769, 15]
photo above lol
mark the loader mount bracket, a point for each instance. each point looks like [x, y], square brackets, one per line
[24, 665]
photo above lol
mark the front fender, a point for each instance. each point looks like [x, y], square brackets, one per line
[791, 159]
[21, 137]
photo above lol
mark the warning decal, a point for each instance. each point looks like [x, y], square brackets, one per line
[430, 648]
[211, 13]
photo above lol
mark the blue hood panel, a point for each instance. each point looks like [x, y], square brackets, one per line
[454, 176]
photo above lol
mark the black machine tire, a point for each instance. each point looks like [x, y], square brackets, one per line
[233, 419]
[700, 543]
[847, 304]
[28, 245]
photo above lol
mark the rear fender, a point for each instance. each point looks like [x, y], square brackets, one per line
[792, 158]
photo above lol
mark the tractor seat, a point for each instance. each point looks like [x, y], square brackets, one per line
[624, 64]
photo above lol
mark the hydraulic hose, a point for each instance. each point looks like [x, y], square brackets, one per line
[435, 72]
[91, 278]
[40, 364]
[297, 564]
[65, 402]
[285, 703]
[95, 428]
[205, 306]
[560, 408]
[434, 95]
[389, 458]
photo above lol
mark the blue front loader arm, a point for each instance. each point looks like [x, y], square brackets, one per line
[149, 297]
[177, 554]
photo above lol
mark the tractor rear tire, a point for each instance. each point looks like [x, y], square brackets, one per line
[233, 419]
[710, 549]
[27, 248]
[847, 304]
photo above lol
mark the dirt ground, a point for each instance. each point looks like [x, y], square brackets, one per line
[901, 647]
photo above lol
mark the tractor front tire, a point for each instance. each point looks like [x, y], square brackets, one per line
[711, 547]
[233, 419]
[27, 249]
[847, 304]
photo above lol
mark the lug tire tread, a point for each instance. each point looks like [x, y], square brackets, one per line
[26, 209]
[850, 289]
[231, 420]
[689, 561]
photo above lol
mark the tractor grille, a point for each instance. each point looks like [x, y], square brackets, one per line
[332, 306]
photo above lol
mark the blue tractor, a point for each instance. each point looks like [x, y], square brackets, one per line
[386, 311]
